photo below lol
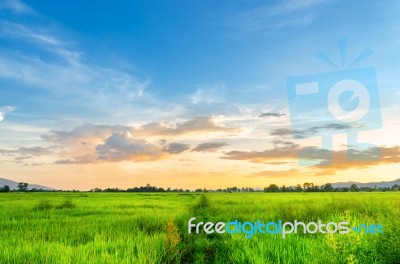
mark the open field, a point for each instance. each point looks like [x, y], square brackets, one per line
[152, 228]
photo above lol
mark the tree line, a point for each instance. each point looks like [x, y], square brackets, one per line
[305, 187]
[328, 187]
[21, 187]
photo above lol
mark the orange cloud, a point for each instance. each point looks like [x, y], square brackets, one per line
[289, 152]
[111, 143]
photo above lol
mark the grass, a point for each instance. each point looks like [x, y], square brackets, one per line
[152, 228]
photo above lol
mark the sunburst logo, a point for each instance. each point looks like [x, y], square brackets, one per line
[342, 101]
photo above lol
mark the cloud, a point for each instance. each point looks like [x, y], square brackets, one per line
[16, 6]
[83, 159]
[207, 95]
[85, 132]
[331, 127]
[281, 132]
[32, 151]
[287, 151]
[287, 7]
[93, 143]
[266, 156]
[271, 114]
[278, 144]
[36, 151]
[26, 153]
[36, 36]
[315, 130]
[4, 110]
[270, 17]
[201, 124]
[119, 147]
[204, 124]
[176, 148]
[197, 124]
[388, 155]
[58, 68]
[209, 146]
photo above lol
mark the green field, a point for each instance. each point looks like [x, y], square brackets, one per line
[152, 228]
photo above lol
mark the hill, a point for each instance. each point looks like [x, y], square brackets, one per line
[367, 184]
[13, 185]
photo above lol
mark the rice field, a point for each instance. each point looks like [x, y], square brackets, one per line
[153, 227]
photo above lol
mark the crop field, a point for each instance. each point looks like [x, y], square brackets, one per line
[153, 228]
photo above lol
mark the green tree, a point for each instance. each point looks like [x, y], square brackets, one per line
[271, 188]
[327, 187]
[308, 186]
[22, 186]
[354, 188]
[5, 188]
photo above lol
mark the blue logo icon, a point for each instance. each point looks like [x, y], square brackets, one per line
[342, 101]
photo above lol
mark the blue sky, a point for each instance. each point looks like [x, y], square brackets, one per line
[199, 67]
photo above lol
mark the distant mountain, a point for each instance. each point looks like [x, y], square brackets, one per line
[13, 185]
[367, 184]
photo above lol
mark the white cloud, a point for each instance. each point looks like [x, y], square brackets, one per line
[202, 125]
[16, 7]
[61, 71]
[270, 17]
[36, 35]
[208, 95]
[120, 147]
[4, 110]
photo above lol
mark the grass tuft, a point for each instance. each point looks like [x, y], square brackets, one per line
[67, 204]
[43, 206]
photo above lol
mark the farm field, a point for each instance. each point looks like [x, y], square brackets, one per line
[153, 227]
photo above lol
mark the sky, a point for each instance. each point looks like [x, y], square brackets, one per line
[196, 94]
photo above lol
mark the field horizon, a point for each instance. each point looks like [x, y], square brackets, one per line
[89, 227]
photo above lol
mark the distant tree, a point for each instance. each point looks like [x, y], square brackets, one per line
[112, 190]
[284, 189]
[233, 189]
[298, 188]
[327, 187]
[22, 187]
[147, 188]
[354, 188]
[199, 190]
[366, 189]
[5, 188]
[308, 186]
[271, 188]
[290, 189]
